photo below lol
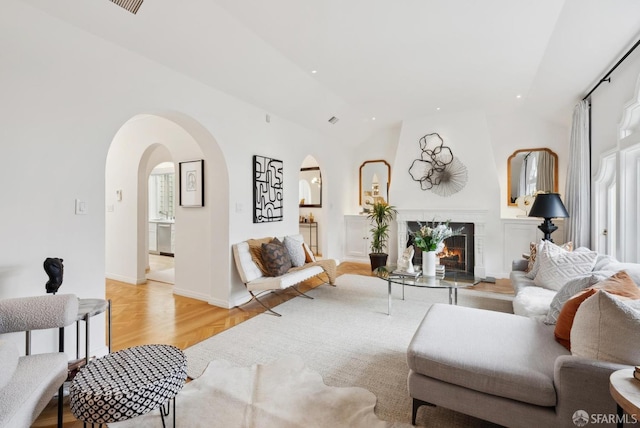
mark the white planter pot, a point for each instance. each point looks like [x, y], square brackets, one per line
[428, 263]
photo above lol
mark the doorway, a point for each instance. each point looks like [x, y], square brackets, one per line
[161, 208]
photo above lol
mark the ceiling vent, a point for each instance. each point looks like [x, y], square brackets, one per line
[333, 120]
[131, 5]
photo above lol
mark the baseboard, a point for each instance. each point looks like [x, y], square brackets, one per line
[126, 279]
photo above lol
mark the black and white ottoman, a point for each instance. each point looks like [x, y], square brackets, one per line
[128, 383]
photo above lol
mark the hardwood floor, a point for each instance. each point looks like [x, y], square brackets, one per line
[150, 313]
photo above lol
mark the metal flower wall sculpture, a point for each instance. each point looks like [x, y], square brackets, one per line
[437, 169]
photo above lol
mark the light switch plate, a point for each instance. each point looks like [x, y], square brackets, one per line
[81, 207]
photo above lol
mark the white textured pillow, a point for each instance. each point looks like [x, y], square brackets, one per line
[535, 251]
[607, 328]
[570, 289]
[295, 250]
[558, 266]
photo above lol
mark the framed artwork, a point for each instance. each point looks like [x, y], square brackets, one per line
[267, 189]
[192, 183]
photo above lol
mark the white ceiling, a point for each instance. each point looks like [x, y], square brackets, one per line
[387, 59]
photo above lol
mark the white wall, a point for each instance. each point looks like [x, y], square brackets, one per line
[607, 105]
[66, 95]
[483, 143]
[616, 106]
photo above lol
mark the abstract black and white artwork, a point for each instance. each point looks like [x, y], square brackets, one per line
[267, 189]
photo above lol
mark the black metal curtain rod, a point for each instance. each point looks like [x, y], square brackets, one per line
[607, 77]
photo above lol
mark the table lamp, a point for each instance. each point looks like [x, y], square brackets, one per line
[548, 206]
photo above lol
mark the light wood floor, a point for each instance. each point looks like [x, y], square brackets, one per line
[150, 313]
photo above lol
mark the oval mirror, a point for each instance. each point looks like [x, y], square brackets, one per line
[310, 187]
[375, 178]
[530, 171]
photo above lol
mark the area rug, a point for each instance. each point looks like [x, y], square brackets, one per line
[346, 336]
[282, 394]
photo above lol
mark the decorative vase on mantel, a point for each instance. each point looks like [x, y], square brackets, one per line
[429, 263]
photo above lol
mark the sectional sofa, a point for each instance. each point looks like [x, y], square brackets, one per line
[510, 369]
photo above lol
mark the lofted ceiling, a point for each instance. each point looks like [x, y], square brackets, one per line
[309, 60]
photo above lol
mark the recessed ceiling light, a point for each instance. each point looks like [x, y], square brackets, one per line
[438, 108]
[373, 118]
[314, 71]
[518, 96]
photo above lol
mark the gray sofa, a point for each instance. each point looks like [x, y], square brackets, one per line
[503, 368]
[29, 382]
[534, 302]
[508, 368]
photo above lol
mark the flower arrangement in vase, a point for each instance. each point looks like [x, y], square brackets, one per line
[430, 239]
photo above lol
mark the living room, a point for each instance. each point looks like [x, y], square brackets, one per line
[83, 85]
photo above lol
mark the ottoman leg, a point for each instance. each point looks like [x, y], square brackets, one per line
[165, 412]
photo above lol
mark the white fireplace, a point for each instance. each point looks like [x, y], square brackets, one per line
[477, 217]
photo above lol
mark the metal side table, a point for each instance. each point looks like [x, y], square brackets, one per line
[88, 308]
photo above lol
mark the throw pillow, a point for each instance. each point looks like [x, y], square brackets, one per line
[533, 251]
[296, 252]
[309, 257]
[558, 266]
[275, 258]
[607, 328]
[568, 290]
[566, 316]
[620, 284]
[534, 264]
[255, 248]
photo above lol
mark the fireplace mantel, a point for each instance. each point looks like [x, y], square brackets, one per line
[477, 217]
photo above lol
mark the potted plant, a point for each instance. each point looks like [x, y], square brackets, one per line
[381, 215]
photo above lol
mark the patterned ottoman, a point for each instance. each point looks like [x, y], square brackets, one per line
[128, 383]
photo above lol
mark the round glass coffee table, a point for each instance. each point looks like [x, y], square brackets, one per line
[415, 279]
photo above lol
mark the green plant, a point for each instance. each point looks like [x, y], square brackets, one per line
[381, 215]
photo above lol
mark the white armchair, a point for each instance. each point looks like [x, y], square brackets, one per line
[29, 382]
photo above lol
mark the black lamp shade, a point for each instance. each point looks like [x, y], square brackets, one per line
[548, 205]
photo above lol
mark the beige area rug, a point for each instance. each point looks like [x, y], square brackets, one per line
[281, 394]
[164, 275]
[346, 336]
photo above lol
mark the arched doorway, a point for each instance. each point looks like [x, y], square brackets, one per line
[202, 238]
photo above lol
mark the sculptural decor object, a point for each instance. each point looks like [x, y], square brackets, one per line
[437, 169]
[55, 270]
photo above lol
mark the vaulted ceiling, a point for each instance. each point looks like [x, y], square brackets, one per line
[309, 60]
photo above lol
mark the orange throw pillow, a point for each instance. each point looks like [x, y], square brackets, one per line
[567, 314]
[620, 284]
[255, 248]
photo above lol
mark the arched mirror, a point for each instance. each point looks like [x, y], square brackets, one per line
[375, 178]
[310, 187]
[530, 171]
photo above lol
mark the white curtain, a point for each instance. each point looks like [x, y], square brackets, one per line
[546, 168]
[578, 190]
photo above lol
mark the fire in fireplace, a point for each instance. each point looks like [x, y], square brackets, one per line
[458, 253]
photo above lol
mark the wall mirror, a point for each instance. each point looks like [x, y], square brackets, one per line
[375, 178]
[310, 187]
[530, 171]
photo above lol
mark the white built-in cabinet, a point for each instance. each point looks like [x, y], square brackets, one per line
[518, 233]
[357, 238]
[153, 238]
